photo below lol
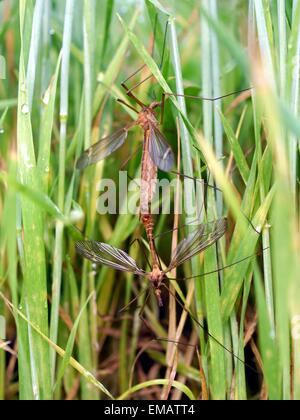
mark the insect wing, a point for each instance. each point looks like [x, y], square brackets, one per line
[160, 151]
[105, 254]
[102, 148]
[198, 241]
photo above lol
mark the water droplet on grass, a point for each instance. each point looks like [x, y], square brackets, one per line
[25, 109]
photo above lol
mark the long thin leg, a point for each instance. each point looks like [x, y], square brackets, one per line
[216, 189]
[129, 91]
[208, 99]
[207, 332]
[162, 111]
[165, 95]
[126, 104]
[197, 180]
[133, 300]
[161, 61]
[131, 95]
[145, 322]
[134, 73]
[130, 157]
[176, 229]
[164, 45]
[152, 53]
[139, 84]
[222, 268]
[142, 249]
[123, 84]
[131, 179]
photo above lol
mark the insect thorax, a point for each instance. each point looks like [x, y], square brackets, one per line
[147, 118]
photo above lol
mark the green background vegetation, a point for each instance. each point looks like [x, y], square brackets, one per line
[65, 337]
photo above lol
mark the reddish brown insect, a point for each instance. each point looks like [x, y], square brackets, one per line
[101, 253]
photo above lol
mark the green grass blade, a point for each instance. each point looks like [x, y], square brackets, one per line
[237, 151]
[113, 69]
[70, 345]
[64, 106]
[234, 276]
[34, 291]
[48, 101]
[34, 49]
[156, 382]
[268, 343]
[85, 373]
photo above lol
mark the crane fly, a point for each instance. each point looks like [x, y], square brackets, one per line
[158, 147]
[204, 236]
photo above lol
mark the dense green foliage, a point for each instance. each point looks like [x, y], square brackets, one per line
[65, 336]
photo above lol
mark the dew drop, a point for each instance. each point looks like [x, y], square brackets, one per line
[46, 97]
[23, 87]
[2, 131]
[100, 77]
[51, 31]
[25, 109]
[258, 229]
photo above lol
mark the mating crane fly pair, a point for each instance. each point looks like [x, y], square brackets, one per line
[156, 154]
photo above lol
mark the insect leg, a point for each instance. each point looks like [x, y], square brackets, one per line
[203, 98]
[207, 332]
[133, 300]
[131, 95]
[126, 104]
[142, 249]
[130, 157]
[152, 53]
[162, 111]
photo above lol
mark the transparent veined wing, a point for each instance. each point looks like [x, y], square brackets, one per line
[198, 241]
[101, 253]
[103, 148]
[160, 151]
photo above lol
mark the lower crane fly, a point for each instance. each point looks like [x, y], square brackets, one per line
[204, 236]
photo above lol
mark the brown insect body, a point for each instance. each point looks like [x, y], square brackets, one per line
[148, 178]
[156, 276]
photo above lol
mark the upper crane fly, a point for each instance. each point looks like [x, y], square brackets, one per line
[159, 150]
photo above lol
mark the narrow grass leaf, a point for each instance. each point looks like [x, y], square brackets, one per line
[85, 373]
[70, 344]
[155, 382]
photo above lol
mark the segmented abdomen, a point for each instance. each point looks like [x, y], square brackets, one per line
[148, 178]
